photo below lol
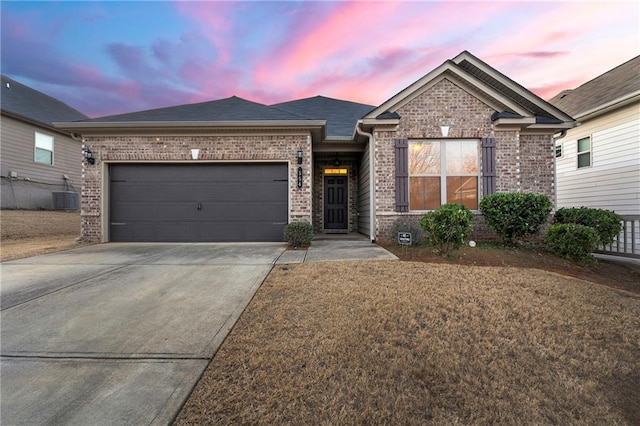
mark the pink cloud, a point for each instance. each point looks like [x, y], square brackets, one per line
[214, 21]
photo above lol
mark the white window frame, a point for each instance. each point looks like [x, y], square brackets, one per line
[584, 153]
[443, 169]
[43, 142]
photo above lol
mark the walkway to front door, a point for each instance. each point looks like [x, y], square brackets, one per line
[335, 202]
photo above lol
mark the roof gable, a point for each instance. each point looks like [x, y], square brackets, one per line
[487, 84]
[341, 116]
[615, 86]
[233, 109]
[29, 104]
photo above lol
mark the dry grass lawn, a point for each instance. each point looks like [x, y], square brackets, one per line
[416, 343]
[26, 233]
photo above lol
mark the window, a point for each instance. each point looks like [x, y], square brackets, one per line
[559, 150]
[443, 172]
[584, 152]
[44, 149]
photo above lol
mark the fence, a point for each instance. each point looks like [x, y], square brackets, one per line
[628, 241]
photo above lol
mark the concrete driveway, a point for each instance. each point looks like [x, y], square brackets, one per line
[119, 333]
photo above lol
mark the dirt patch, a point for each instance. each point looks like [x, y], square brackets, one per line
[417, 343]
[25, 233]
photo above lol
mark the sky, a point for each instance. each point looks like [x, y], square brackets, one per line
[112, 57]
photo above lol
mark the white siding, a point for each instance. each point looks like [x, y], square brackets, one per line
[613, 180]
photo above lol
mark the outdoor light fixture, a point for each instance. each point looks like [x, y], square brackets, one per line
[299, 156]
[194, 154]
[444, 130]
[88, 155]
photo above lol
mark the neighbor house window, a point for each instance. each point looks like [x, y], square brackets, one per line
[44, 149]
[584, 152]
[559, 150]
[442, 172]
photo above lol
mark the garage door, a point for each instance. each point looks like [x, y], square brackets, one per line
[198, 202]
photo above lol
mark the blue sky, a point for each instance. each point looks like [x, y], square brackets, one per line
[108, 57]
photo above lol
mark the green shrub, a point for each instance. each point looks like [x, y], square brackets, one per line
[572, 241]
[448, 227]
[298, 234]
[605, 222]
[407, 224]
[514, 215]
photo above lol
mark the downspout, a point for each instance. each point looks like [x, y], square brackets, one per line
[372, 181]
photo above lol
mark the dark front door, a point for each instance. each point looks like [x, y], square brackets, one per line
[335, 202]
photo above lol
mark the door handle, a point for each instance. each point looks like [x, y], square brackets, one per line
[199, 206]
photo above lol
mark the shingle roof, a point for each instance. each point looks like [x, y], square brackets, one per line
[341, 116]
[502, 88]
[231, 109]
[23, 101]
[610, 86]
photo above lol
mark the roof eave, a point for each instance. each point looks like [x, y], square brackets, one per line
[609, 106]
[524, 121]
[513, 85]
[34, 122]
[88, 125]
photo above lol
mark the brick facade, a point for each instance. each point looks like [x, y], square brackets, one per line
[523, 162]
[213, 148]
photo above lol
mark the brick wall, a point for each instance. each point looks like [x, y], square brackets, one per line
[250, 148]
[523, 162]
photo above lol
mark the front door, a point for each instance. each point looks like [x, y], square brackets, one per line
[335, 202]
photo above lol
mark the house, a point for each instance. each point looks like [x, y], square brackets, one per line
[236, 170]
[38, 160]
[598, 162]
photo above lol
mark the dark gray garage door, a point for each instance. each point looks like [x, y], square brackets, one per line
[198, 202]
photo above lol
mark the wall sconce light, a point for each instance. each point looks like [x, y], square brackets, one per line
[444, 130]
[195, 153]
[86, 152]
[299, 156]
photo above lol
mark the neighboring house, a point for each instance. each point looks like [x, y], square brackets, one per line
[598, 162]
[38, 159]
[235, 170]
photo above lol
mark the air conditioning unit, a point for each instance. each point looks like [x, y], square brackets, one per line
[66, 200]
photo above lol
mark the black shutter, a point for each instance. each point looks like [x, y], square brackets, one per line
[402, 175]
[488, 166]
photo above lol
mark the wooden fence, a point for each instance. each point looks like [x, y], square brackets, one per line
[628, 241]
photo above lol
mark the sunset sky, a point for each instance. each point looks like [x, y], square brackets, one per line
[109, 57]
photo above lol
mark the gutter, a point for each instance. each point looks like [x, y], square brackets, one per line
[372, 181]
[609, 106]
[87, 125]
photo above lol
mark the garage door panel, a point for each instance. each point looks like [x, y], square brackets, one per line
[210, 202]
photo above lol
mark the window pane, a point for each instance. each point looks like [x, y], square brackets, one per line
[463, 190]
[424, 158]
[424, 193]
[44, 141]
[584, 144]
[584, 160]
[44, 156]
[462, 157]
